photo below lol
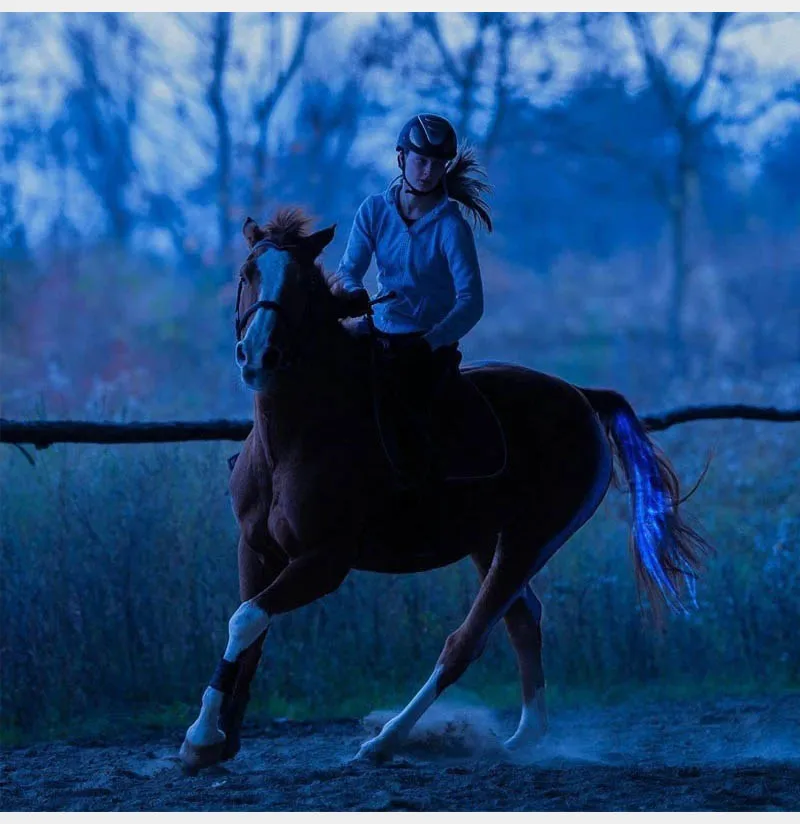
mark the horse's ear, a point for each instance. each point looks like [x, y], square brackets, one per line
[252, 234]
[310, 248]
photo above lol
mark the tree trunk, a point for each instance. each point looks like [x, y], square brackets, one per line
[259, 169]
[216, 101]
[264, 115]
[677, 213]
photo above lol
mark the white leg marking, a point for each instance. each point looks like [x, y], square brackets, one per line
[205, 731]
[532, 724]
[246, 624]
[397, 730]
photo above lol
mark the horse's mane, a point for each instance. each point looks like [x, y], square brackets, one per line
[288, 225]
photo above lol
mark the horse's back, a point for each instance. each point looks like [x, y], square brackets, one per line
[552, 430]
[512, 384]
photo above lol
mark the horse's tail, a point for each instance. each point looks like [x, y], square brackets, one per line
[667, 552]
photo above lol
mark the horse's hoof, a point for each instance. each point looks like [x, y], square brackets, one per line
[524, 740]
[376, 751]
[194, 758]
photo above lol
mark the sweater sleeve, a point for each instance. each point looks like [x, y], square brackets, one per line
[350, 272]
[462, 258]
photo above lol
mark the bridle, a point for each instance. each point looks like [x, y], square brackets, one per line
[240, 321]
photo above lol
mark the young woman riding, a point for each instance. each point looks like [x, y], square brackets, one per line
[427, 262]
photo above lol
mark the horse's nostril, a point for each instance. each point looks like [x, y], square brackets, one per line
[241, 355]
[271, 358]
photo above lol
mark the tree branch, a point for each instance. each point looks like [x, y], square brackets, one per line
[504, 36]
[266, 106]
[746, 20]
[790, 94]
[718, 21]
[654, 66]
[191, 29]
[427, 21]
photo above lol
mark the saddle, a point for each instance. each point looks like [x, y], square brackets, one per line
[462, 432]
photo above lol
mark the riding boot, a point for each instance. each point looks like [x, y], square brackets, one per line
[417, 375]
[406, 434]
[442, 368]
[419, 460]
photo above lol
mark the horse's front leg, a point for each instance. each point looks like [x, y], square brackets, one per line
[214, 736]
[302, 581]
[257, 570]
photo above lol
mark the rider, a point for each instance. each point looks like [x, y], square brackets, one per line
[426, 256]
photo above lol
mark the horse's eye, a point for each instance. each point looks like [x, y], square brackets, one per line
[249, 270]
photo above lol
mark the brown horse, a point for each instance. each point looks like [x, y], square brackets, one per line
[315, 496]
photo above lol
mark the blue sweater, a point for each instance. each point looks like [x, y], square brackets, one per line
[432, 266]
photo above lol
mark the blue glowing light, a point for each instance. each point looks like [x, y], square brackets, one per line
[652, 510]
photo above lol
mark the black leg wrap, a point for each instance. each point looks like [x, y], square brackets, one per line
[224, 677]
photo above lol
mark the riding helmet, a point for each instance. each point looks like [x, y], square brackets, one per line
[429, 135]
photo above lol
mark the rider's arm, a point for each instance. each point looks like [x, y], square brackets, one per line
[459, 248]
[349, 275]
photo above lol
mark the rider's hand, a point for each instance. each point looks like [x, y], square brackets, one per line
[355, 303]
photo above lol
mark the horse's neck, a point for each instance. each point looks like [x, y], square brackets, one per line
[326, 389]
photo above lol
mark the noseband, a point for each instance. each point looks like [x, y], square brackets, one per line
[241, 321]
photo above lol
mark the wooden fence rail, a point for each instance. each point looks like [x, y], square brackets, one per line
[42, 434]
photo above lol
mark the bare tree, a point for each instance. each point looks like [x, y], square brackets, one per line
[478, 74]
[680, 105]
[221, 25]
[694, 107]
[199, 90]
[461, 69]
[280, 75]
[698, 81]
[101, 111]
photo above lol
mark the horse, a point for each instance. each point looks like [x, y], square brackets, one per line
[315, 495]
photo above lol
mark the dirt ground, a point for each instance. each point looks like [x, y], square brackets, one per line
[731, 754]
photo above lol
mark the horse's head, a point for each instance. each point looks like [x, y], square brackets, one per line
[277, 284]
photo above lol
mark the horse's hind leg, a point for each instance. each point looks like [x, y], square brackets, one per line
[524, 626]
[500, 588]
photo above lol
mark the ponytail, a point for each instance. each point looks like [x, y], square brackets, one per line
[466, 182]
